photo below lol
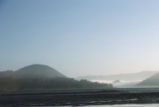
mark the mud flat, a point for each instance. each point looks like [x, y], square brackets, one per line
[96, 97]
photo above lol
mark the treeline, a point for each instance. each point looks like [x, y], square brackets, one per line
[58, 83]
[9, 82]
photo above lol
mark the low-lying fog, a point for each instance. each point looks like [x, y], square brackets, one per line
[125, 80]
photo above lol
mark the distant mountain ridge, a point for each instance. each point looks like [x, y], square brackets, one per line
[123, 76]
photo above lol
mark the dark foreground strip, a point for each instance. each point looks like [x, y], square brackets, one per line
[79, 98]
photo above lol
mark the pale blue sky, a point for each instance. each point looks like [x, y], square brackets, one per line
[80, 37]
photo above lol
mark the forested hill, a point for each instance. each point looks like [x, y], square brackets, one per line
[42, 77]
[38, 70]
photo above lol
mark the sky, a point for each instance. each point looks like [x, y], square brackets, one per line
[80, 37]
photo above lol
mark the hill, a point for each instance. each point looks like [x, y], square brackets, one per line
[152, 81]
[42, 77]
[38, 71]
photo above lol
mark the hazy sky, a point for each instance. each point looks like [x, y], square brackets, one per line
[80, 37]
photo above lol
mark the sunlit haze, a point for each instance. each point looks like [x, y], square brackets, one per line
[80, 37]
